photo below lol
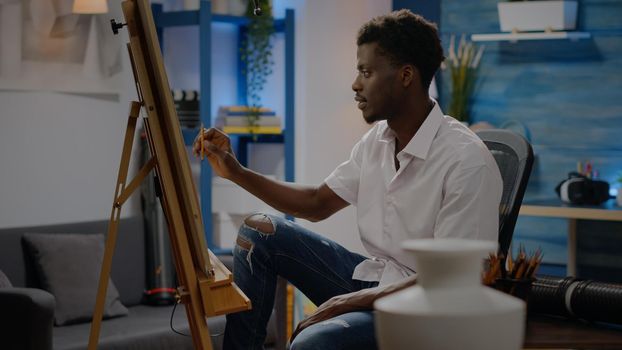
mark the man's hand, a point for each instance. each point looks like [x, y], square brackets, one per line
[341, 304]
[216, 146]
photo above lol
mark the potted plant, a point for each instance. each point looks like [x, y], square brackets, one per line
[463, 67]
[519, 16]
[256, 53]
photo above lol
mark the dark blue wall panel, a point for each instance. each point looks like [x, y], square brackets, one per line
[430, 9]
[567, 93]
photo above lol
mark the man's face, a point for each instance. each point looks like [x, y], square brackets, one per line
[375, 84]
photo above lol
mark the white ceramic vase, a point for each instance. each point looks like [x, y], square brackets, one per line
[449, 308]
[619, 197]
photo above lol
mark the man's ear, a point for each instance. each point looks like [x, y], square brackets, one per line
[409, 75]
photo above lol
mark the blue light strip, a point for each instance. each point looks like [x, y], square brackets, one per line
[290, 95]
[205, 112]
[242, 91]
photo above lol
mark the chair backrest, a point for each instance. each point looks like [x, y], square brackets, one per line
[514, 156]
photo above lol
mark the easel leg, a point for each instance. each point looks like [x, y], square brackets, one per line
[185, 273]
[113, 226]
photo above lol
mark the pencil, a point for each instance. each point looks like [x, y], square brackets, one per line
[510, 263]
[518, 264]
[201, 138]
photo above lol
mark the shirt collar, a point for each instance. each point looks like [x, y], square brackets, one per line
[420, 144]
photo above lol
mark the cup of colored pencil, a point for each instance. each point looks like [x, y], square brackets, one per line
[513, 276]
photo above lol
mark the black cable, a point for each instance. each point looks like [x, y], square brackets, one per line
[184, 334]
[171, 322]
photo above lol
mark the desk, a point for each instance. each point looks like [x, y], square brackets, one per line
[555, 208]
[543, 332]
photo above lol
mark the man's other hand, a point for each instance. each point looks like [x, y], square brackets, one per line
[356, 301]
[341, 304]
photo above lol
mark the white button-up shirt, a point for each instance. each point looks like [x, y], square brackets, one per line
[448, 185]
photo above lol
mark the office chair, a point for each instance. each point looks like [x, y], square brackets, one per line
[514, 156]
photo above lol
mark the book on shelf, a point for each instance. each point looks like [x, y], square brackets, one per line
[243, 114]
[243, 121]
[251, 129]
[243, 110]
[235, 120]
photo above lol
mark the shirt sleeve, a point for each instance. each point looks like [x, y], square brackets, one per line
[344, 180]
[470, 206]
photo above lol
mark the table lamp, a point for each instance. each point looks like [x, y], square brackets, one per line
[90, 6]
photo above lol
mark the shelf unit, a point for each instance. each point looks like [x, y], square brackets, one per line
[513, 37]
[203, 18]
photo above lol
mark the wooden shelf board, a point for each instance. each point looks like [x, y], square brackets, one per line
[513, 37]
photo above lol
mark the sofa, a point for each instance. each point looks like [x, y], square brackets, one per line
[27, 310]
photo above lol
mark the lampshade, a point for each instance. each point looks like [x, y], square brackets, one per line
[90, 6]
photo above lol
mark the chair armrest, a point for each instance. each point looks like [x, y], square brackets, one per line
[27, 318]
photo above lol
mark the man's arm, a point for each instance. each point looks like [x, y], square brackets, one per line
[307, 202]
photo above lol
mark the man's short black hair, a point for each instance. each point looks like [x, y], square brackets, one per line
[406, 38]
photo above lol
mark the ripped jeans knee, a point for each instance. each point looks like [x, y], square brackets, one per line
[263, 225]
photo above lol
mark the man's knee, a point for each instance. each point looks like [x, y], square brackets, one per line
[327, 335]
[261, 223]
[309, 342]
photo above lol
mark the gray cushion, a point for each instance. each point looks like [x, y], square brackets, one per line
[4, 280]
[68, 266]
[147, 328]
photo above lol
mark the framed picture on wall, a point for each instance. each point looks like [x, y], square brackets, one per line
[44, 46]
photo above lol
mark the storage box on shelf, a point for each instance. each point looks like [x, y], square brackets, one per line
[244, 120]
[535, 20]
[524, 16]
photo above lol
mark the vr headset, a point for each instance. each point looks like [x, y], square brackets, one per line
[578, 189]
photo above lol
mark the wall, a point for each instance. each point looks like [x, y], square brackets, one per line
[430, 10]
[567, 94]
[60, 154]
[329, 123]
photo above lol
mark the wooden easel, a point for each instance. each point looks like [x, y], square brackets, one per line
[206, 285]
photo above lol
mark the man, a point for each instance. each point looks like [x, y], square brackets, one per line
[415, 174]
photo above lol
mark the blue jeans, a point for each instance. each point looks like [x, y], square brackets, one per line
[320, 268]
